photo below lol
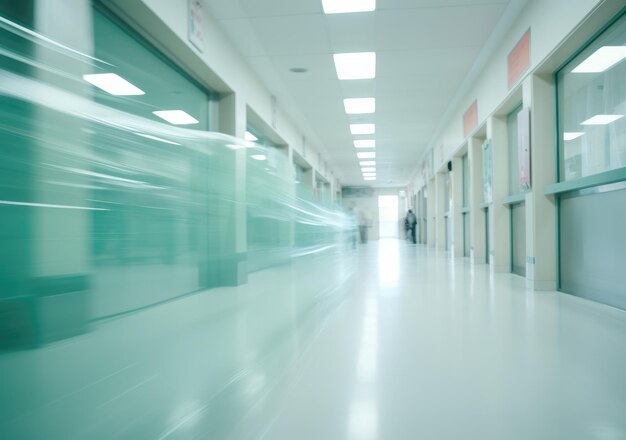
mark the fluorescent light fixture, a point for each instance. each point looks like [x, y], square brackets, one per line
[367, 169]
[360, 65]
[570, 136]
[369, 174]
[367, 163]
[602, 119]
[358, 106]
[259, 156]
[342, 6]
[250, 137]
[176, 117]
[156, 138]
[362, 129]
[602, 59]
[369, 178]
[366, 155]
[113, 84]
[365, 143]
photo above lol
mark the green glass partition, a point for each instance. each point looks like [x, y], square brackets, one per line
[130, 303]
[591, 141]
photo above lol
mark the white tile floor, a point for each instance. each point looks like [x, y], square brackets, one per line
[390, 342]
[428, 347]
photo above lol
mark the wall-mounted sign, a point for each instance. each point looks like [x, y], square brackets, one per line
[523, 148]
[487, 193]
[470, 119]
[194, 28]
[518, 60]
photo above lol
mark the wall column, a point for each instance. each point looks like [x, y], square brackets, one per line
[477, 217]
[431, 217]
[457, 205]
[440, 221]
[229, 267]
[541, 256]
[499, 215]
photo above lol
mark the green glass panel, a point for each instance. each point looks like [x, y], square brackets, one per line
[154, 278]
[591, 102]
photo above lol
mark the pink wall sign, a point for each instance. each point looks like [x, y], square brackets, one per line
[519, 59]
[470, 118]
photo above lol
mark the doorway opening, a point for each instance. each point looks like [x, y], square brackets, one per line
[388, 216]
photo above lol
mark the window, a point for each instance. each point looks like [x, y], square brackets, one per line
[592, 107]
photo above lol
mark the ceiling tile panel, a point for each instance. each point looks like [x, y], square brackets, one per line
[319, 67]
[272, 8]
[426, 61]
[220, 9]
[352, 32]
[436, 27]
[243, 36]
[291, 35]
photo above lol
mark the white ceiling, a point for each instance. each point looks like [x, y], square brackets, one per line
[424, 50]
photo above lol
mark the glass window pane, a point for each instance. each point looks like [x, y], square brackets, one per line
[165, 87]
[592, 105]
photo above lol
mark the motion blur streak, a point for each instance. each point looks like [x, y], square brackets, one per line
[155, 281]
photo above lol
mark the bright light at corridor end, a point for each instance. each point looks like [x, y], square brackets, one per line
[176, 117]
[113, 84]
[342, 6]
[360, 65]
[357, 106]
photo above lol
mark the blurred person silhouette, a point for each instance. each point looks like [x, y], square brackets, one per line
[410, 223]
[363, 225]
[352, 227]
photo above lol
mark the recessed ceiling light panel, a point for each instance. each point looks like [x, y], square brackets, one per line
[359, 106]
[368, 169]
[362, 129]
[369, 174]
[360, 65]
[365, 143]
[602, 59]
[369, 178]
[366, 155]
[113, 84]
[367, 163]
[176, 117]
[343, 6]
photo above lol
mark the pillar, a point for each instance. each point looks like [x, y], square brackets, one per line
[477, 217]
[499, 216]
[541, 243]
